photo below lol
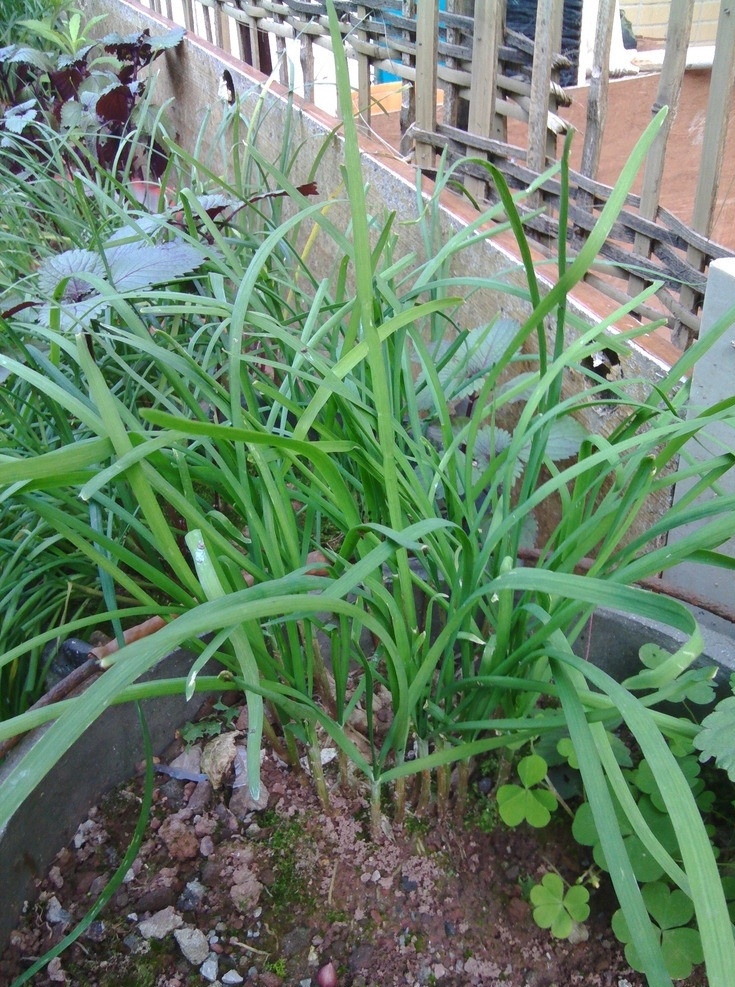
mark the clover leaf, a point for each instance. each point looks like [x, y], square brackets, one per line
[671, 912]
[644, 864]
[558, 909]
[519, 803]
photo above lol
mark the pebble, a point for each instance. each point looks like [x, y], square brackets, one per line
[55, 913]
[55, 971]
[55, 877]
[96, 932]
[191, 897]
[193, 944]
[232, 977]
[180, 841]
[98, 885]
[226, 818]
[135, 944]
[295, 941]
[199, 798]
[159, 925]
[242, 804]
[209, 968]
[189, 760]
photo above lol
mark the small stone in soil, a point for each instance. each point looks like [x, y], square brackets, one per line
[209, 968]
[191, 897]
[180, 841]
[96, 932]
[55, 971]
[55, 914]
[231, 977]
[136, 945]
[193, 944]
[159, 925]
[295, 941]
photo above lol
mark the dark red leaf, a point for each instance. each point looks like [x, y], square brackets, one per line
[10, 312]
[115, 106]
[157, 160]
[308, 189]
[127, 74]
[66, 81]
[127, 49]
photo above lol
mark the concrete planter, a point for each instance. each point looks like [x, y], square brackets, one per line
[107, 754]
[103, 757]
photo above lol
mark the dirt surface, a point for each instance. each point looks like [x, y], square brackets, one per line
[225, 892]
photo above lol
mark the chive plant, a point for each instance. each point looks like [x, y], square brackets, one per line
[338, 482]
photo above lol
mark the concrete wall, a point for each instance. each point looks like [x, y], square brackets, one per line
[650, 19]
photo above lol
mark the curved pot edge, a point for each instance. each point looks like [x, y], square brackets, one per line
[41, 826]
[30, 841]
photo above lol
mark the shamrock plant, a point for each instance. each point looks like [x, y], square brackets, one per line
[671, 911]
[559, 908]
[527, 802]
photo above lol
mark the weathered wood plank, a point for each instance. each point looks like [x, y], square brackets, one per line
[427, 20]
[541, 143]
[408, 60]
[363, 74]
[713, 142]
[669, 90]
[597, 95]
[481, 116]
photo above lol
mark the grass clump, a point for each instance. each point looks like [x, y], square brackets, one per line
[334, 483]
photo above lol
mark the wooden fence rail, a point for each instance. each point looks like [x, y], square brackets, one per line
[490, 75]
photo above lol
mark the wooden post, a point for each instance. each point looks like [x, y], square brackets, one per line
[483, 92]
[408, 96]
[548, 35]
[188, 15]
[222, 28]
[427, 25]
[363, 76]
[669, 90]
[713, 147]
[597, 96]
[306, 56]
[455, 106]
[284, 72]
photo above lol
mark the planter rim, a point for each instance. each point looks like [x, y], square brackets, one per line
[31, 839]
